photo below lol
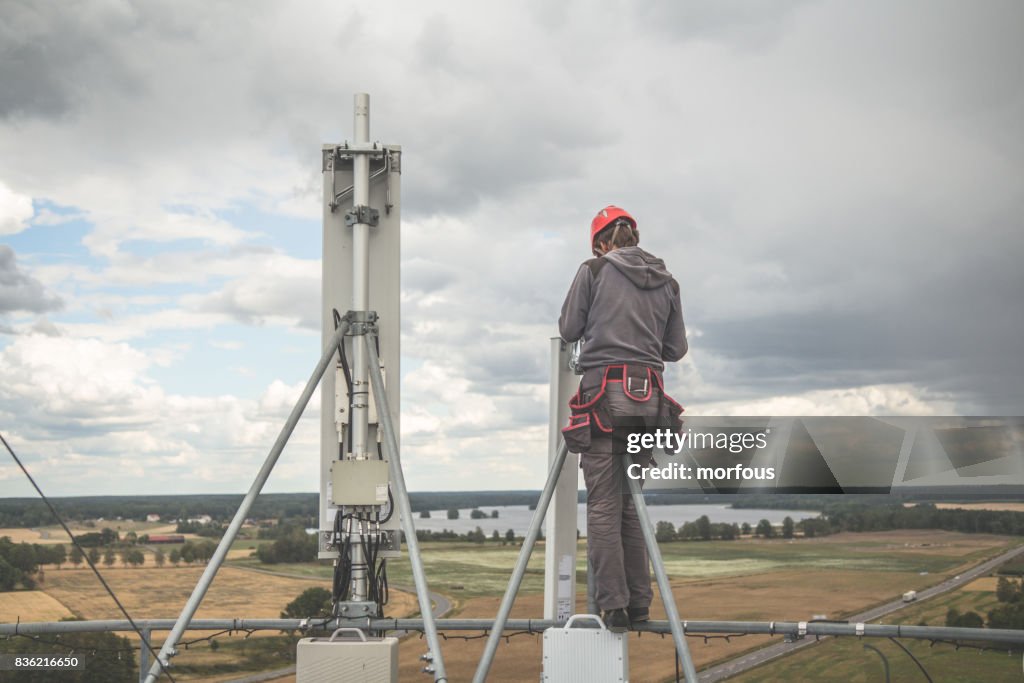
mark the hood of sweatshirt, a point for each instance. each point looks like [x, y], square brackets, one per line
[643, 269]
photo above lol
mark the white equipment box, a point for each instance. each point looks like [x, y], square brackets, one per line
[333, 660]
[585, 655]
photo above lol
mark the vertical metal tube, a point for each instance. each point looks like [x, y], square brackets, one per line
[168, 651]
[147, 638]
[401, 496]
[671, 613]
[360, 304]
[592, 607]
[520, 569]
[560, 537]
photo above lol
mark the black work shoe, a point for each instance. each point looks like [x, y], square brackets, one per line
[638, 614]
[616, 620]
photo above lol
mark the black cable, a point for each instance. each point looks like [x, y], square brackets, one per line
[343, 359]
[916, 660]
[391, 498]
[85, 556]
[385, 592]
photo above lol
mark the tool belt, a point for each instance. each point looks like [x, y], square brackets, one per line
[590, 416]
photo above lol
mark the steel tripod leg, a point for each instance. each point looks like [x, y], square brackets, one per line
[520, 569]
[168, 651]
[659, 571]
[592, 607]
[404, 509]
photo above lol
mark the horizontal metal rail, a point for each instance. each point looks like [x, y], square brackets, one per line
[777, 628]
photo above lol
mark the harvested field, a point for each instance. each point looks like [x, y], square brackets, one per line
[1010, 507]
[160, 593]
[986, 584]
[41, 536]
[31, 606]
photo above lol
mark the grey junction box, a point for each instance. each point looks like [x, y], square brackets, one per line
[347, 660]
[359, 482]
[585, 655]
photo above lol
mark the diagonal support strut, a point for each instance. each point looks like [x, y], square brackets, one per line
[671, 613]
[520, 569]
[404, 509]
[168, 650]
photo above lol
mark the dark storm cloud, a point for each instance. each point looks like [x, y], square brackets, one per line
[943, 314]
[837, 186]
[19, 291]
[424, 276]
[744, 24]
[53, 54]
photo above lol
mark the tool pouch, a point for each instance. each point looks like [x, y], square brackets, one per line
[577, 434]
[669, 411]
[589, 415]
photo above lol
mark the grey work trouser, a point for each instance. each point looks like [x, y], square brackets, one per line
[615, 543]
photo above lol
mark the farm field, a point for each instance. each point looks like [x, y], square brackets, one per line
[1013, 507]
[749, 579]
[742, 580]
[55, 534]
[846, 659]
[42, 607]
[161, 592]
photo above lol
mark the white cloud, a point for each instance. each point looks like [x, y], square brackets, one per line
[15, 210]
[831, 184]
[89, 415]
[19, 290]
[879, 400]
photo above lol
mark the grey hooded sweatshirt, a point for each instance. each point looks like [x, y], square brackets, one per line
[626, 307]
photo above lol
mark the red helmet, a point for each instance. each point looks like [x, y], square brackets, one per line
[606, 217]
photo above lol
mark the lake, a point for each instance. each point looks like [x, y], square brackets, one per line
[517, 517]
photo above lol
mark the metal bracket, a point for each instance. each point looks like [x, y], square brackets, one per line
[362, 214]
[390, 541]
[356, 609]
[361, 317]
[326, 542]
[392, 162]
[361, 322]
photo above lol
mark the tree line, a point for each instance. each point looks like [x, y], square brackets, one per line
[32, 512]
[703, 529]
[19, 562]
[1009, 613]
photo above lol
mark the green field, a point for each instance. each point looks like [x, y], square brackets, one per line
[850, 661]
[847, 659]
[747, 579]
[471, 570]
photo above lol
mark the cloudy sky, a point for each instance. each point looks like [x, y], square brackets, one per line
[837, 186]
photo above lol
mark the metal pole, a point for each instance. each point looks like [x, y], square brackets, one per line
[592, 607]
[560, 537]
[1003, 636]
[401, 495]
[671, 612]
[520, 569]
[147, 638]
[360, 304]
[168, 651]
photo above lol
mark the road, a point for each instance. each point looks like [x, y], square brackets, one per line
[750, 660]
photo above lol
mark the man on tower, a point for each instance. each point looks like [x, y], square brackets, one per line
[625, 305]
